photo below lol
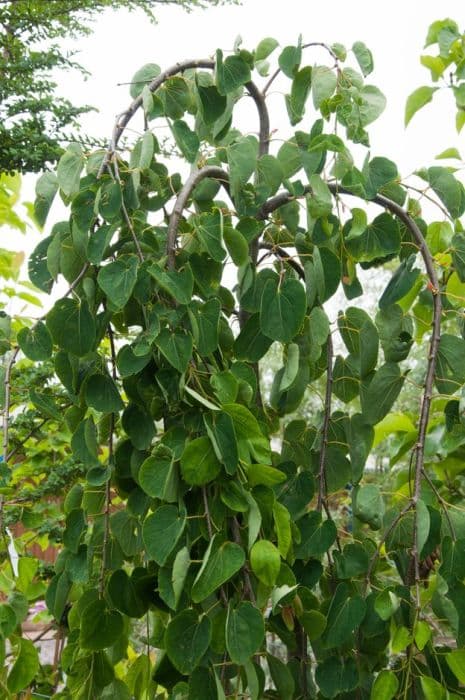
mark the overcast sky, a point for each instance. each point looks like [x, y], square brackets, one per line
[395, 32]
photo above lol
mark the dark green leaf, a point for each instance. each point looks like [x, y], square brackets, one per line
[179, 284]
[100, 627]
[72, 326]
[231, 73]
[199, 464]
[117, 280]
[245, 632]
[282, 309]
[101, 393]
[162, 531]
[378, 398]
[187, 639]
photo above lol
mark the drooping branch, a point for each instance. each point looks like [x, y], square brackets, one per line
[211, 171]
[418, 453]
[125, 117]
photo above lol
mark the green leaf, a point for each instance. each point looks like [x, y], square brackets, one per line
[69, 170]
[178, 283]
[117, 280]
[385, 686]
[300, 90]
[265, 562]
[281, 677]
[242, 160]
[187, 639]
[245, 632]
[209, 228]
[199, 464]
[101, 393]
[282, 523]
[453, 559]
[25, 667]
[368, 505]
[123, 591]
[418, 99]
[100, 627]
[360, 338]
[344, 615]
[231, 73]
[282, 310]
[289, 59]
[401, 282]
[380, 239]
[223, 436]
[373, 103]
[265, 48]
[336, 677]
[320, 202]
[456, 662]
[450, 367]
[212, 104]
[128, 363]
[421, 634]
[317, 536]
[251, 344]
[158, 477]
[175, 96]
[220, 562]
[161, 532]
[143, 77]
[139, 426]
[458, 255]
[72, 326]
[364, 57]
[36, 342]
[324, 83]
[449, 190]
[46, 189]
[176, 347]
[204, 320]
[236, 245]
[377, 399]
[186, 140]
[290, 368]
[110, 200]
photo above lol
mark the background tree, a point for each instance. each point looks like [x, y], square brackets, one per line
[35, 121]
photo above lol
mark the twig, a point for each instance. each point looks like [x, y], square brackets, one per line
[322, 490]
[248, 589]
[283, 255]
[391, 527]
[24, 440]
[305, 46]
[125, 211]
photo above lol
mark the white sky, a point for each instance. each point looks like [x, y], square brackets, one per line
[122, 42]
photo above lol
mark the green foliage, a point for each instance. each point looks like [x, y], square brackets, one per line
[210, 514]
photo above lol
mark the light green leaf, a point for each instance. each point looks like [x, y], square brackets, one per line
[364, 57]
[418, 99]
[265, 561]
[385, 686]
[69, 170]
[265, 48]
[324, 83]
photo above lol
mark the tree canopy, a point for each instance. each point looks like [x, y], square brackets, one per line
[35, 122]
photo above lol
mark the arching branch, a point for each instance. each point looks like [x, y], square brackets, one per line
[125, 117]
[193, 180]
[419, 449]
